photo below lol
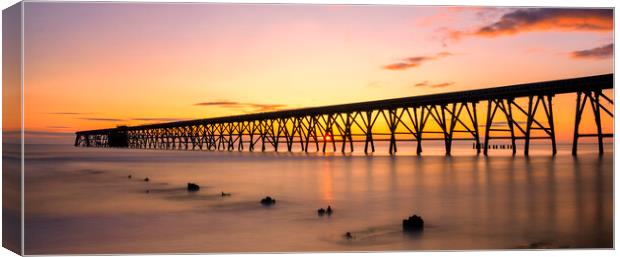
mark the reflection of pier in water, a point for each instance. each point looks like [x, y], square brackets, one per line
[517, 112]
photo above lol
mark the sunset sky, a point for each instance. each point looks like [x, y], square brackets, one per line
[98, 65]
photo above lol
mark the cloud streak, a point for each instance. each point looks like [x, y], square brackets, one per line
[597, 53]
[540, 19]
[446, 84]
[100, 119]
[421, 84]
[48, 133]
[437, 85]
[147, 119]
[544, 19]
[68, 113]
[157, 119]
[415, 61]
[239, 105]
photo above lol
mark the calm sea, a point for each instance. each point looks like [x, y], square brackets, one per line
[80, 200]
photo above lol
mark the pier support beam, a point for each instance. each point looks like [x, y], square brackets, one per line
[492, 106]
[532, 123]
[392, 119]
[594, 97]
[369, 122]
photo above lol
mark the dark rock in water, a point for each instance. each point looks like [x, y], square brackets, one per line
[268, 201]
[544, 245]
[225, 194]
[146, 179]
[329, 210]
[321, 212]
[129, 176]
[413, 223]
[192, 187]
[348, 236]
[148, 191]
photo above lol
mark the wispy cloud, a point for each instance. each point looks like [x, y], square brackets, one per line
[100, 119]
[145, 119]
[238, 105]
[47, 133]
[436, 85]
[539, 19]
[219, 103]
[601, 52]
[421, 84]
[415, 61]
[68, 113]
[446, 84]
[157, 119]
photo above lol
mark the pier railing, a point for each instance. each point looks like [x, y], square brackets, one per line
[516, 112]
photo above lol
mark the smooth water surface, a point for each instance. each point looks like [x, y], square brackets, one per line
[80, 200]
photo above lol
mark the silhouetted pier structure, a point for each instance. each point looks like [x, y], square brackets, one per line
[447, 117]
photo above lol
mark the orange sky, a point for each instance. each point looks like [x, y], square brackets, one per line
[97, 65]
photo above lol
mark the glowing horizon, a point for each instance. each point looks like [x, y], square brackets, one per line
[99, 65]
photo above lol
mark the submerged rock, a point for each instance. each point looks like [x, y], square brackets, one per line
[413, 223]
[129, 177]
[268, 201]
[146, 179]
[322, 211]
[147, 191]
[348, 236]
[191, 187]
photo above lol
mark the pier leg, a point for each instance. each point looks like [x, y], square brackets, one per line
[325, 141]
[349, 131]
[528, 126]
[390, 120]
[331, 120]
[242, 127]
[251, 148]
[446, 130]
[476, 129]
[488, 126]
[308, 131]
[231, 145]
[350, 140]
[275, 135]
[554, 148]
[578, 112]
[300, 129]
[419, 128]
[511, 125]
[262, 136]
[314, 135]
[369, 139]
[596, 107]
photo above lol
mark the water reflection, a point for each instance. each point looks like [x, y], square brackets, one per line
[327, 181]
[86, 203]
